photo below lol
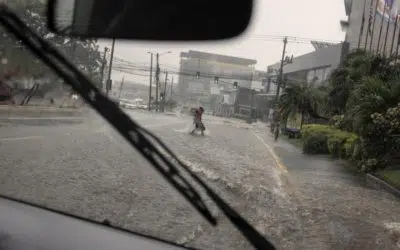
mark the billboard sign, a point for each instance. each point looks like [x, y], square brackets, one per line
[389, 9]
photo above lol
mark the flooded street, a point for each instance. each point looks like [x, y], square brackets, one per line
[335, 206]
[297, 202]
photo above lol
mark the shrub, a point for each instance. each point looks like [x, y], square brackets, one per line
[337, 121]
[349, 147]
[315, 144]
[334, 146]
[331, 141]
[312, 129]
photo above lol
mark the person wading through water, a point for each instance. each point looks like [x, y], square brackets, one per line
[197, 121]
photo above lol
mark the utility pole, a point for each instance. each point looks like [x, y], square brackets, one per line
[281, 70]
[280, 82]
[172, 85]
[157, 79]
[151, 78]
[165, 90]
[108, 85]
[250, 118]
[103, 67]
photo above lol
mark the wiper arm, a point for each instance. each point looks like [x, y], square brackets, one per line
[130, 130]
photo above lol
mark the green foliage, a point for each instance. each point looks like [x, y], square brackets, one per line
[349, 148]
[380, 143]
[85, 54]
[315, 144]
[311, 129]
[301, 99]
[361, 99]
[329, 140]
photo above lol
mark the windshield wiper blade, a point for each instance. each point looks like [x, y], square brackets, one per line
[130, 130]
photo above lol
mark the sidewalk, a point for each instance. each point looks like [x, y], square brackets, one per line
[338, 211]
[7, 111]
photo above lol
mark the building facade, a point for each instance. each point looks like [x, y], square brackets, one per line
[313, 67]
[204, 75]
[372, 25]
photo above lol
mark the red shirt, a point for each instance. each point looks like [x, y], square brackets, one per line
[198, 115]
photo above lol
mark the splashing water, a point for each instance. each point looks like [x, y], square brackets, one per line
[189, 128]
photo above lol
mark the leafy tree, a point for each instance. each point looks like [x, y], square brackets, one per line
[84, 53]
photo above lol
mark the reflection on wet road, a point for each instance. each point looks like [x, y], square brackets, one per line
[86, 168]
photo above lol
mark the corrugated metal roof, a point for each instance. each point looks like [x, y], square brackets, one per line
[320, 45]
[218, 57]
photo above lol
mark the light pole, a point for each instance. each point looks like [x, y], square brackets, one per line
[151, 78]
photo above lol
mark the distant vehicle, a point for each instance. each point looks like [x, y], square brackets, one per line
[142, 106]
[130, 106]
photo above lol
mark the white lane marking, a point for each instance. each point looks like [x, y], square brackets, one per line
[272, 152]
[85, 130]
[21, 138]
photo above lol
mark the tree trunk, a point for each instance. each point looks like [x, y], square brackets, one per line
[302, 120]
[29, 95]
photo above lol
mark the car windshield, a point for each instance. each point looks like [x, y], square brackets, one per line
[295, 124]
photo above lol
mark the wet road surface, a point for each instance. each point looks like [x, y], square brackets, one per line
[336, 209]
[86, 168]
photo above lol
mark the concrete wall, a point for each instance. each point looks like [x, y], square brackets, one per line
[194, 91]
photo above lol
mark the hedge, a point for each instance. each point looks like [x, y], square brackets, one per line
[324, 139]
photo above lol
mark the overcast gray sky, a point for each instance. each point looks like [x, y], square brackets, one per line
[313, 19]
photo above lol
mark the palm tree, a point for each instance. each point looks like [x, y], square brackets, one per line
[350, 75]
[301, 99]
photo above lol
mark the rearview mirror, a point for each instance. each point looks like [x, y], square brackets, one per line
[150, 19]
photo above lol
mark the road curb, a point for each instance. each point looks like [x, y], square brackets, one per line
[39, 121]
[40, 111]
[377, 183]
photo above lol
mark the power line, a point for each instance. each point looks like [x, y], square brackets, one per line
[295, 39]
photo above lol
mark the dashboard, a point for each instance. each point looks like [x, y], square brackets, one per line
[24, 226]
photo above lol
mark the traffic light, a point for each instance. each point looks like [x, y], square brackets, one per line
[235, 85]
[198, 75]
[216, 79]
[162, 95]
